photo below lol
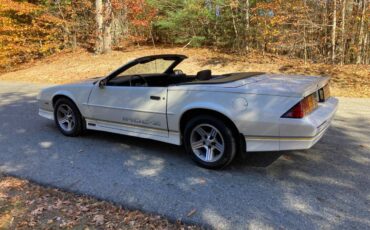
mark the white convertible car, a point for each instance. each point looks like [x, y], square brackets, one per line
[213, 116]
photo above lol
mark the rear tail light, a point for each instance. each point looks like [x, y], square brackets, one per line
[302, 108]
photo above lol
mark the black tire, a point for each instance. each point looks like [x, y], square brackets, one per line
[228, 137]
[78, 119]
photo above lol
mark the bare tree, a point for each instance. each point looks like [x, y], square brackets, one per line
[361, 36]
[304, 35]
[343, 43]
[247, 15]
[247, 24]
[333, 33]
[234, 21]
[107, 31]
[104, 19]
[366, 52]
[99, 21]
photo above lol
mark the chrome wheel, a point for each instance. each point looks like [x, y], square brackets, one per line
[65, 117]
[207, 143]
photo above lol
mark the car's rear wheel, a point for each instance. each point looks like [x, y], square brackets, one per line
[67, 117]
[210, 142]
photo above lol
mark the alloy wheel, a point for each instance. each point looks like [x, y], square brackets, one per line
[66, 118]
[207, 143]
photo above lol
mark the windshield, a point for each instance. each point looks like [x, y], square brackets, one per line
[156, 66]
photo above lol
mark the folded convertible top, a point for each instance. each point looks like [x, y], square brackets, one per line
[225, 78]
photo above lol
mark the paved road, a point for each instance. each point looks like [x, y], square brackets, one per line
[325, 187]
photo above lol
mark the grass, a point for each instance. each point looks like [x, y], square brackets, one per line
[65, 67]
[25, 205]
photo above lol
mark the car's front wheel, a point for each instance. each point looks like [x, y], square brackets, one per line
[210, 142]
[67, 117]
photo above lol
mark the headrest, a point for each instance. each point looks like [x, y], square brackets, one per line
[204, 75]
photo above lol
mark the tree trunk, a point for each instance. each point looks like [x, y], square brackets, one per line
[247, 6]
[99, 46]
[362, 34]
[104, 20]
[304, 36]
[107, 31]
[366, 47]
[234, 25]
[333, 33]
[325, 51]
[343, 43]
[247, 24]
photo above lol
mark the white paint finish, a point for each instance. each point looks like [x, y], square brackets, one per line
[78, 93]
[286, 85]
[142, 132]
[297, 133]
[129, 105]
[262, 115]
[304, 143]
[309, 125]
[254, 105]
[259, 118]
[266, 84]
[46, 114]
[260, 145]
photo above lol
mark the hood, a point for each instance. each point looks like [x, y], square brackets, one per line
[89, 80]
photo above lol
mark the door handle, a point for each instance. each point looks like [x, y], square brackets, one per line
[157, 98]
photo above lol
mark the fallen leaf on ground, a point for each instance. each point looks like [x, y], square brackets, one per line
[58, 204]
[98, 219]
[37, 211]
[84, 208]
[53, 209]
[192, 212]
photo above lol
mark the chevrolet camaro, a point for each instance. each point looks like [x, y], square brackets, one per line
[214, 116]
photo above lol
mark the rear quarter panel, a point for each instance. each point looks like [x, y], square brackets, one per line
[253, 114]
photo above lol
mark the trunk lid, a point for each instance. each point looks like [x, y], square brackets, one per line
[282, 85]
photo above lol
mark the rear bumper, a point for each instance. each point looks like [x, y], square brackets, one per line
[297, 133]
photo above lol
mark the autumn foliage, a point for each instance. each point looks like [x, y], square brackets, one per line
[27, 31]
[140, 13]
[332, 31]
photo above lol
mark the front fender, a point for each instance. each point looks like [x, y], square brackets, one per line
[65, 93]
[79, 94]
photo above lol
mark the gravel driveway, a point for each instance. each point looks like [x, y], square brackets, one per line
[327, 186]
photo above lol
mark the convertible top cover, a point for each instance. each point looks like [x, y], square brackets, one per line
[225, 78]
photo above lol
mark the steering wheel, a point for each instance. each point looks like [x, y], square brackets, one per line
[178, 72]
[139, 76]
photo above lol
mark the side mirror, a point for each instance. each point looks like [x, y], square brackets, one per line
[102, 83]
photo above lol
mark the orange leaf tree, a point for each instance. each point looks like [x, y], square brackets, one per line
[27, 32]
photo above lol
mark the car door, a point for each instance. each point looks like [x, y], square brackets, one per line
[139, 109]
